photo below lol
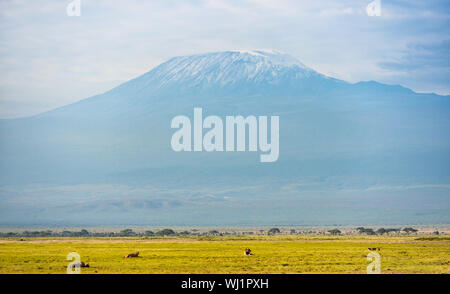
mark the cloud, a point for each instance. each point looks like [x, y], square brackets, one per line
[424, 64]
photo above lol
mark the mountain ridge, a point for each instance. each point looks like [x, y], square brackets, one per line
[158, 78]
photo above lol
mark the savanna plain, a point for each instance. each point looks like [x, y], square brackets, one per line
[278, 254]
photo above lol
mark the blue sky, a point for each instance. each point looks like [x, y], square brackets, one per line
[49, 59]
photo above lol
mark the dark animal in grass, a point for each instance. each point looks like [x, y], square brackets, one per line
[81, 264]
[248, 251]
[374, 249]
[136, 254]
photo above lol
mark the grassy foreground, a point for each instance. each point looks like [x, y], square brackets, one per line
[272, 254]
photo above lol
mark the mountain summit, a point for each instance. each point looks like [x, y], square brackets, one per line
[241, 68]
[230, 67]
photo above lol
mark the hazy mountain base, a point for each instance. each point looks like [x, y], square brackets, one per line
[366, 187]
[130, 205]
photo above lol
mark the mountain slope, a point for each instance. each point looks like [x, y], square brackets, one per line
[368, 145]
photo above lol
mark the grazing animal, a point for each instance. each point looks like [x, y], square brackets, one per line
[248, 251]
[374, 249]
[136, 254]
[81, 264]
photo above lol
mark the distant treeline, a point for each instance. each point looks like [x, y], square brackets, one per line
[86, 233]
[195, 232]
[380, 231]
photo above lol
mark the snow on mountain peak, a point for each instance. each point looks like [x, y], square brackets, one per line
[229, 67]
[274, 57]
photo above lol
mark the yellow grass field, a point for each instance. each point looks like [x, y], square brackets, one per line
[223, 255]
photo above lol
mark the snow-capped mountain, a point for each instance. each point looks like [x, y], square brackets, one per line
[238, 71]
[210, 78]
[230, 67]
[107, 159]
